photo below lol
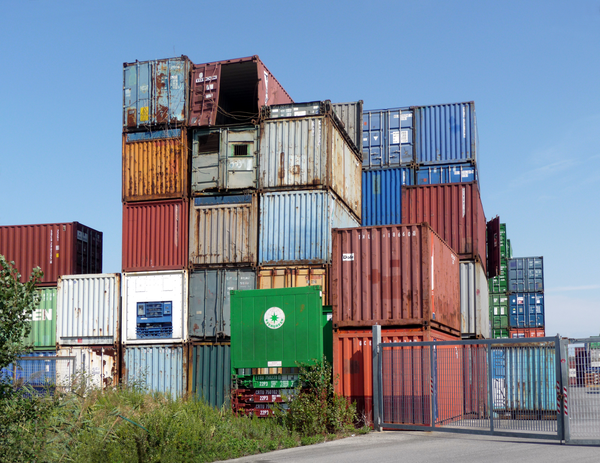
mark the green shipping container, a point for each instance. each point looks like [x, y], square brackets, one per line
[211, 373]
[499, 284]
[276, 328]
[499, 334]
[499, 311]
[43, 323]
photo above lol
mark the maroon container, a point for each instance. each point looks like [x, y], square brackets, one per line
[454, 211]
[232, 91]
[395, 275]
[155, 235]
[57, 248]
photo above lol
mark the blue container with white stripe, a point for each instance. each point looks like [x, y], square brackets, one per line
[388, 138]
[526, 310]
[445, 173]
[381, 195]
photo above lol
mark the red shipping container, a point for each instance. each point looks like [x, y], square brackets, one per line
[57, 248]
[155, 235]
[232, 91]
[454, 211]
[527, 333]
[353, 369]
[394, 275]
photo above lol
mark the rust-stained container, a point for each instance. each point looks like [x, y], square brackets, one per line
[394, 275]
[527, 333]
[155, 235]
[232, 91]
[294, 276]
[96, 365]
[310, 152]
[454, 211]
[353, 362]
[224, 230]
[155, 165]
[57, 248]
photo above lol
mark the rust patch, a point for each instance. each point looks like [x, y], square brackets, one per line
[282, 165]
[296, 170]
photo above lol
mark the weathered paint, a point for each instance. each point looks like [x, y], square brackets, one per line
[526, 274]
[526, 333]
[155, 168]
[309, 152]
[294, 276]
[156, 368]
[155, 235]
[88, 308]
[388, 138]
[95, 366]
[43, 322]
[351, 115]
[474, 301]
[445, 133]
[57, 248]
[156, 92]
[160, 286]
[454, 211]
[223, 230]
[395, 275]
[209, 301]
[210, 373]
[238, 87]
[382, 194]
[295, 226]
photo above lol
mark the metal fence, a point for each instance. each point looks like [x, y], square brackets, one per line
[43, 374]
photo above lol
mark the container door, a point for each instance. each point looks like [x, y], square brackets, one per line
[235, 280]
[205, 161]
[240, 148]
[170, 91]
[205, 94]
[205, 311]
[493, 247]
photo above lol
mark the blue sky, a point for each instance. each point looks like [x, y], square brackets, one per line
[532, 68]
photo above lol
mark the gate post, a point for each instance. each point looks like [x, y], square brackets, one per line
[562, 372]
[377, 410]
[490, 364]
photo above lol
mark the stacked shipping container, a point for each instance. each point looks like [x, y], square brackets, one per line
[526, 296]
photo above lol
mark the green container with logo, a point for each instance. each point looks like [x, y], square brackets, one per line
[43, 322]
[276, 328]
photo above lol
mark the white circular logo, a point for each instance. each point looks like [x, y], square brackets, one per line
[274, 318]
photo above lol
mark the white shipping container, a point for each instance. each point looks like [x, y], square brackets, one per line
[155, 307]
[96, 366]
[88, 308]
[474, 300]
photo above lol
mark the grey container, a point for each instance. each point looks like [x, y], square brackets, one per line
[526, 274]
[224, 159]
[474, 301]
[209, 314]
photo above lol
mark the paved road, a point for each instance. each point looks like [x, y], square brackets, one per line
[415, 447]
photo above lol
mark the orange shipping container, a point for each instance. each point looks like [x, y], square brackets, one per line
[295, 277]
[353, 368]
[527, 333]
[454, 211]
[394, 275]
[155, 168]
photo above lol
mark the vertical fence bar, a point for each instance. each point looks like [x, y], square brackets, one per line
[377, 378]
[490, 385]
[564, 387]
[431, 389]
[559, 362]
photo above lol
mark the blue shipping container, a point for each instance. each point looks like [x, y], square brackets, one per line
[381, 195]
[446, 173]
[37, 373]
[526, 274]
[526, 310]
[295, 226]
[387, 138]
[445, 133]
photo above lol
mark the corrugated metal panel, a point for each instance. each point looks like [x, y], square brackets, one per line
[155, 168]
[157, 368]
[223, 230]
[210, 374]
[37, 373]
[499, 311]
[381, 195]
[155, 92]
[88, 309]
[388, 138]
[276, 328]
[232, 91]
[43, 322]
[295, 226]
[526, 274]
[526, 310]
[57, 248]
[445, 133]
[209, 302]
[353, 360]
[526, 333]
[397, 275]
[295, 276]
[446, 173]
[499, 283]
[351, 115]
[454, 211]
[155, 235]
[309, 152]
[165, 286]
[474, 301]
[224, 159]
[97, 365]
